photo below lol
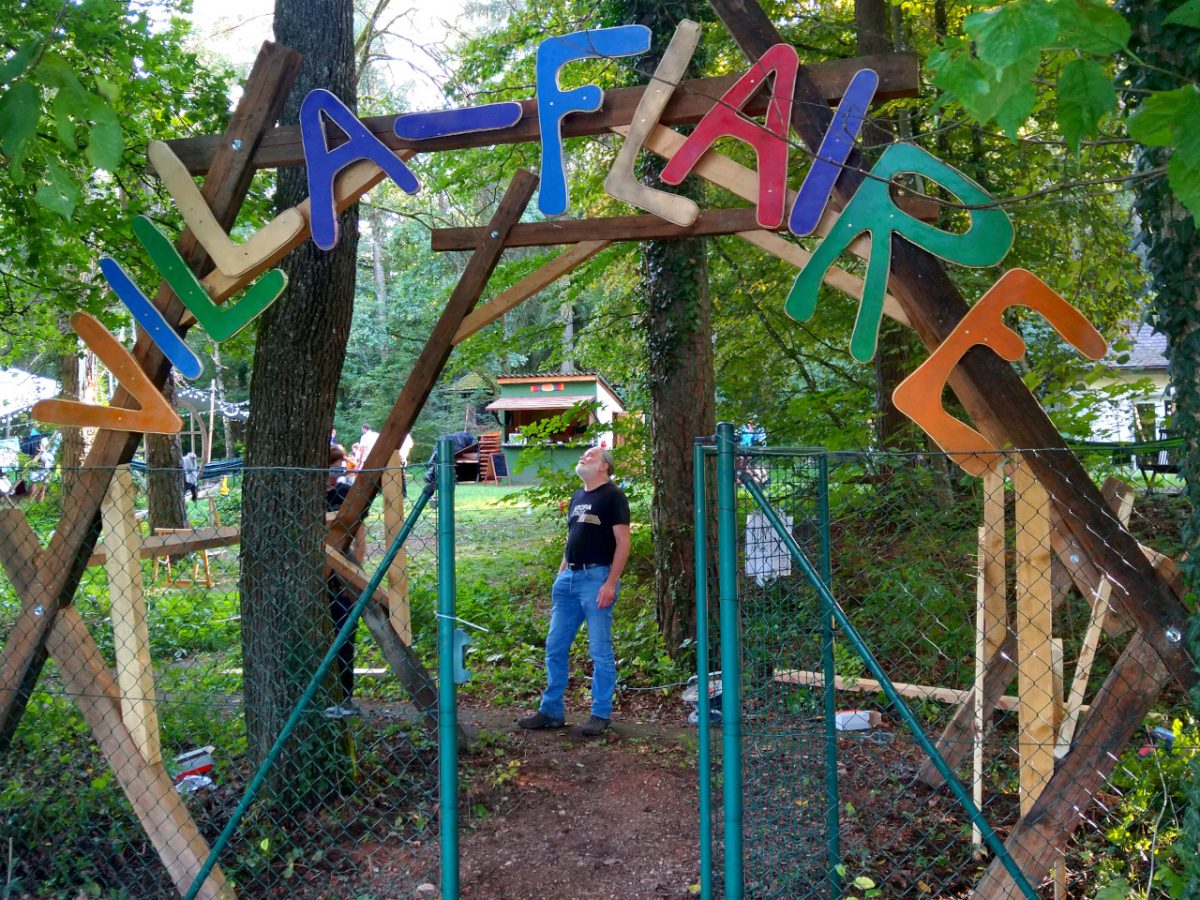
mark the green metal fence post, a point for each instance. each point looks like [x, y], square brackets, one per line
[447, 690]
[731, 667]
[704, 736]
[885, 683]
[832, 799]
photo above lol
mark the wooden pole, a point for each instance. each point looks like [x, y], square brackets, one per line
[399, 609]
[131, 633]
[991, 616]
[1035, 663]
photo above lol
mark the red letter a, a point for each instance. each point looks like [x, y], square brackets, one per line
[769, 142]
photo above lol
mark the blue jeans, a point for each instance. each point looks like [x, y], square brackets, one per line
[574, 602]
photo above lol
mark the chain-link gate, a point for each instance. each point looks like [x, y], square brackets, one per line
[346, 795]
[855, 669]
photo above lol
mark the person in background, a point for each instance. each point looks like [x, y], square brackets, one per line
[341, 595]
[39, 475]
[191, 475]
[587, 585]
[367, 441]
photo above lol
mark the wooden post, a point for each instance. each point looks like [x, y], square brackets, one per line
[399, 609]
[991, 615]
[1035, 662]
[131, 634]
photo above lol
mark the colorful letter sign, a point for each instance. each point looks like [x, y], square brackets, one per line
[833, 153]
[871, 210]
[770, 144]
[324, 164]
[554, 103]
[155, 414]
[152, 321]
[621, 182]
[919, 396]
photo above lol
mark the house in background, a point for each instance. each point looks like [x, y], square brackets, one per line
[1146, 417]
[528, 398]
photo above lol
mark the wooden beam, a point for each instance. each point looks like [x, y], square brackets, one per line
[535, 281]
[1035, 629]
[621, 228]
[1037, 842]
[399, 609]
[152, 795]
[871, 686]
[432, 360]
[898, 77]
[991, 391]
[956, 739]
[399, 655]
[190, 540]
[65, 560]
[991, 617]
[127, 602]
[742, 181]
[20, 551]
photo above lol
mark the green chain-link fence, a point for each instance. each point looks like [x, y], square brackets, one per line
[351, 809]
[837, 796]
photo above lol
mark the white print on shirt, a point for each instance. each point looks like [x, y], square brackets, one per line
[581, 513]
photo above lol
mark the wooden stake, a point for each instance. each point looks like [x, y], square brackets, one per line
[1035, 663]
[131, 634]
[991, 616]
[1100, 599]
[399, 610]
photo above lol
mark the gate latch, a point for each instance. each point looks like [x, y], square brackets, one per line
[461, 641]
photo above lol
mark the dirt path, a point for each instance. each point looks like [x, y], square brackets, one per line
[554, 815]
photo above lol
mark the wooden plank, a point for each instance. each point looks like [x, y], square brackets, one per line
[956, 739]
[399, 610]
[131, 633]
[1100, 599]
[1037, 842]
[991, 618]
[20, 551]
[349, 185]
[736, 178]
[643, 227]
[509, 299]
[229, 177]
[898, 77]
[398, 653]
[429, 364]
[152, 795]
[1035, 665]
[184, 541]
[871, 686]
[991, 391]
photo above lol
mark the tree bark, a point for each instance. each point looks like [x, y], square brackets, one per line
[299, 351]
[164, 476]
[72, 452]
[680, 365]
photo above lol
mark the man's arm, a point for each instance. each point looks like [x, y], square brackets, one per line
[608, 590]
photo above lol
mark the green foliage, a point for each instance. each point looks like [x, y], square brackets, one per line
[1072, 42]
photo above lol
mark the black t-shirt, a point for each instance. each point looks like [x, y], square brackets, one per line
[590, 520]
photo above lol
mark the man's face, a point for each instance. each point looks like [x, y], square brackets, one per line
[591, 464]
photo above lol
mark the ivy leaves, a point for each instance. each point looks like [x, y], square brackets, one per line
[992, 73]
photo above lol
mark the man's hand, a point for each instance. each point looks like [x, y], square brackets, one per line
[608, 592]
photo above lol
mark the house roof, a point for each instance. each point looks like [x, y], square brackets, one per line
[534, 377]
[1149, 349]
[542, 401]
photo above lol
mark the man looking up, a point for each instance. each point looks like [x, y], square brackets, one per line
[588, 581]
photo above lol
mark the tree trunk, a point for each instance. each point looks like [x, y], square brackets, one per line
[680, 363]
[164, 476]
[299, 351]
[380, 276]
[71, 453]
